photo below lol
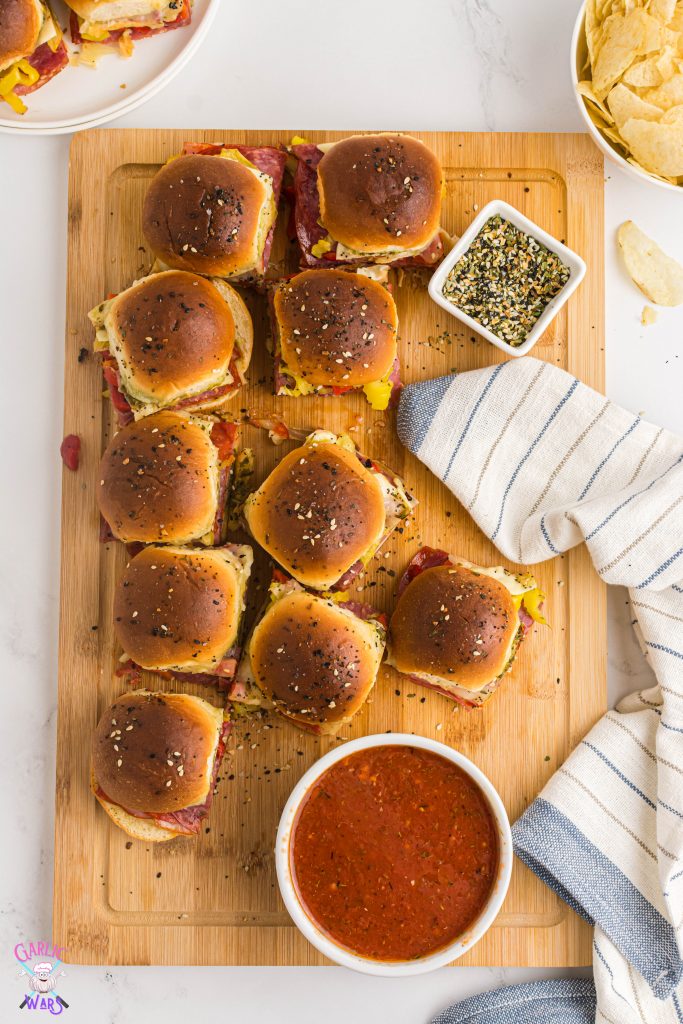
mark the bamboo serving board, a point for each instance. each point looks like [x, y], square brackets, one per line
[214, 900]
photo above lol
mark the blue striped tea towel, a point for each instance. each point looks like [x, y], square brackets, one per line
[543, 462]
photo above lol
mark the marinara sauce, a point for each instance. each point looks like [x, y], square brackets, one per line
[394, 852]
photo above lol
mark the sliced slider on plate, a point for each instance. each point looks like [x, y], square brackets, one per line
[97, 26]
[32, 50]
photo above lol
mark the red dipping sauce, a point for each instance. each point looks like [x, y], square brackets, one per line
[394, 852]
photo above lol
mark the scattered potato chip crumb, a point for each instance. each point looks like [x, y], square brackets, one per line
[648, 316]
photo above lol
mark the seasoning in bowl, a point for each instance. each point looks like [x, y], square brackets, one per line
[394, 852]
[505, 280]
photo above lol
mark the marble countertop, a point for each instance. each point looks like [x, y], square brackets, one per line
[496, 65]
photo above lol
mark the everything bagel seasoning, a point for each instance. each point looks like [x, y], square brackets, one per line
[505, 280]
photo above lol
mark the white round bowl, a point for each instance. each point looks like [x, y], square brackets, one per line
[578, 55]
[309, 928]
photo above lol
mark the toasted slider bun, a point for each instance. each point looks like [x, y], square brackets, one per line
[318, 512]
[380, 192]
[166, 727]
[336, 328]
[454, 624]
[117, 14]
[173, 335]
[159, 479]
[179, 609]
[314, 659]
[20, 25]
[205, 213]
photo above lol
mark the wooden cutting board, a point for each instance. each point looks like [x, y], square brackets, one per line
[215, 900]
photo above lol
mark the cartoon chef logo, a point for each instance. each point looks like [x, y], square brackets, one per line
[41, 976]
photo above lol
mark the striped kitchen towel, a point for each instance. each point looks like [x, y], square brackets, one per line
[543, 462]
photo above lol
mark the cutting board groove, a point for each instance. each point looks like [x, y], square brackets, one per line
[215, 900]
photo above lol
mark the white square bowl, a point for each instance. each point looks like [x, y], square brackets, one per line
[577, 269]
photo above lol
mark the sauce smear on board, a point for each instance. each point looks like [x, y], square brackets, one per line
[394, 852]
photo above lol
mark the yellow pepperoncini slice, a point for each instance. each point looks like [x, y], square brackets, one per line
[94, 34]
[234, 154]
[378, 394]
[21, 73]
[323, 246]
[532, 601]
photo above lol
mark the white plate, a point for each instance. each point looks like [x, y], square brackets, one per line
[81, 97]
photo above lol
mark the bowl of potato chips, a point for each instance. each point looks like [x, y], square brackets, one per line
[627, 68]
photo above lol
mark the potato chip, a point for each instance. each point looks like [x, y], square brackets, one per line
[668, 94]
[662, 10]
[667, 63]
[648, 316]
[643, 73]
[624, 104]
[625, 37]
[658, 276]
[657, 146]
[676, 22]
[674, 115]
[590, 28]
[586, 90]
[651, 174]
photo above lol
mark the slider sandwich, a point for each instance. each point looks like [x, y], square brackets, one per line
[97, 25]
[456, 627]
[154, 763]
[368, 199]
[32, 50]
[166, 479]
[325, 510]
[178, 612]
[335, 332]
[313, 659]
[212, 210]
[173, 340]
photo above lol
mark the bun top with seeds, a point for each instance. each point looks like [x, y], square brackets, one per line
[179, 609]
[154, 752]
[316, 660]
[454, 624]
[210, 215]
[380, 192]
[335, 328]
[319, 512]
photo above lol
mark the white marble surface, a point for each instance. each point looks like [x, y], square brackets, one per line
[465, 64]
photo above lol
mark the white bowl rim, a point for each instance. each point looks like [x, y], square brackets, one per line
[598, 138]
[315, 936]
[570, 258]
